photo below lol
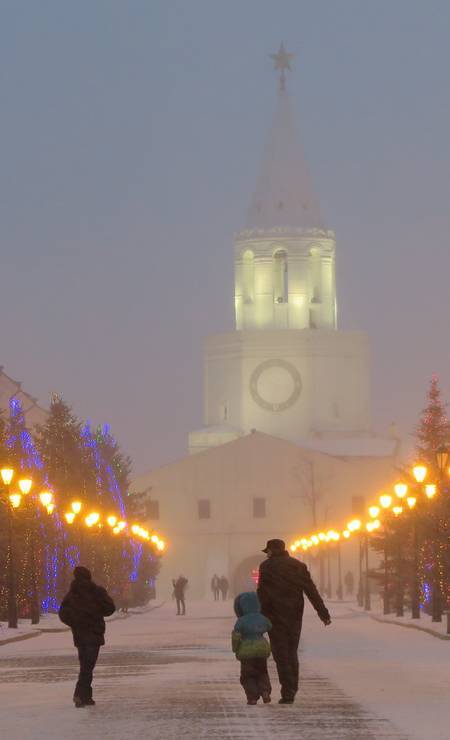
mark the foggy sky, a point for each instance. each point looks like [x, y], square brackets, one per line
[131, 138]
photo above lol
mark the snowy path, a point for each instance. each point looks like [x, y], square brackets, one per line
[166, 677]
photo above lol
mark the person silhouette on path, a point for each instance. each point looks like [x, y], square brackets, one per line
[83, 609]
[283, 581]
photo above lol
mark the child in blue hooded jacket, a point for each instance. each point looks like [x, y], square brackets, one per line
[251, 648]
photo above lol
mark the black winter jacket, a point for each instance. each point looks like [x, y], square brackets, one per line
[282, 582]
[83, 609]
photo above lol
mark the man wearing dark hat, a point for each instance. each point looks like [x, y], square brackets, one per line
[83, 609]
[282, 582]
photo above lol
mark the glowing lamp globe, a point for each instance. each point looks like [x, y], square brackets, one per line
[112, 521]
[401, 489]
[92, 519]
[346, 534]
[25, 485]
[374, 511]
[46, 498]
[15, 499]
[397, 510]
[420, 473]
[411, 501]
[69, 517]
[430, 490]
[7, 475]
[354, 525]
[385, 501]
[76, 506]
[50, 508]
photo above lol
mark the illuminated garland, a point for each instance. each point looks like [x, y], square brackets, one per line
[53, 550]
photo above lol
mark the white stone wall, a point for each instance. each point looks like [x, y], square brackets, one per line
[230, 476]
[332, 366]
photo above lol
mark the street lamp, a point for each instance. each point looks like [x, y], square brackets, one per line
[419, 473]
[25, 485]
[430, 490]
[7, 476]
[46, 498]
[11, 501]
[15, 499]
[401, 489]
[367, 605]
[442, 456]
[442, 459]
[415, 585]
[76, 506]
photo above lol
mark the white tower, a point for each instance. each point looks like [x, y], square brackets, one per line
[286, 369]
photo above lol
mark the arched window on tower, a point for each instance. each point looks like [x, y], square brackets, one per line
[315, 272]
[280, 276]
[248, 276]
[315, 278]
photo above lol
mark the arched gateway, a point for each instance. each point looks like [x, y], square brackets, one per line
[245, 576]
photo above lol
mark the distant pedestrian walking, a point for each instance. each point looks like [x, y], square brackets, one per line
[83, 609]
[179, 588]
[125, 597]
[251, 648]
[224, 586]
[215, 586]
[349, 582]
[282, 582]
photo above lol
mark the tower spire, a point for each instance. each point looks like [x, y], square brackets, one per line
[282, 62]
[284, 195]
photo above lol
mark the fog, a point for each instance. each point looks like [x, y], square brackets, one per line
[132, 136]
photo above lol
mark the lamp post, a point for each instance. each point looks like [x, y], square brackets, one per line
[415, 584]
[367, 603]
[442, 456]
[25, 485]
[339, 590]
[11, 501]
[329, 586]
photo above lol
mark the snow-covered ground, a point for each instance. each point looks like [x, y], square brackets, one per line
[424, 623]
[164, 677]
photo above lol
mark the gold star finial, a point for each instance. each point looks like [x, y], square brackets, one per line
[282, 62]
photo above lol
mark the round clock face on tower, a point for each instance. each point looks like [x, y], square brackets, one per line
[275, 385]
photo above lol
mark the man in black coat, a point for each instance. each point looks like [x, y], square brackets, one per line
[282, 582]
[83, 609]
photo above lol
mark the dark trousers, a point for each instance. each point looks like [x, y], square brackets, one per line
[87, 655]
[284, 640]
[181, 605]
[254, 677]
